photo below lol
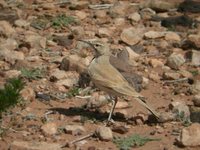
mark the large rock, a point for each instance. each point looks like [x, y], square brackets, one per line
[174, 61]
[132, 35]
[190, 136]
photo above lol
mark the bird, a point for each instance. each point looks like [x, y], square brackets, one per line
[108, 79]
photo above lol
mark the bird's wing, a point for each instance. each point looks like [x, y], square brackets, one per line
[104, 74]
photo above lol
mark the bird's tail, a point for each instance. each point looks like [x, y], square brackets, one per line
[142, 101]
[130, 91]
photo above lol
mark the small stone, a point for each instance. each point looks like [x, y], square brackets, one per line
[6, 29]
[147, 13]
[35, 145]
[11, 55]
[172, 36]
[180, 109]
[78, 5]
[97, 101]
[22, 23]
[105, 32]
[140, 119]
[195, 39]
[174, 61]
[35, 40]
[133, 56]
[74, 63]
[171, 76]
[9, 44]
[185, 74]
[153, 34]
[104, 133]
[100, 14]
[194, 56]
[195, 88]
[74, 129]
[48, 6]
[154, 76]
[28, 94]
[119, 21]
[134, 17]
[196, 100]
[190, 136]
[57, 74]
[120, 129]
[12, 73]
[69, 82]
[145, 82]
[194, 114]
[49, 128]
[131, 35]
[156, 63]
[159, 129]
[119, 9]
[80, 14]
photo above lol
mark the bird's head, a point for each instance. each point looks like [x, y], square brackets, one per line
[100, 47]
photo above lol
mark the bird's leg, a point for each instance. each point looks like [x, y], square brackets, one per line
[114, 102]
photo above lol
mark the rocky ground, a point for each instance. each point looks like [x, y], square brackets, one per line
[39, 43]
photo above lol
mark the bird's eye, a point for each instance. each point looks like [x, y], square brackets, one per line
[96, 45]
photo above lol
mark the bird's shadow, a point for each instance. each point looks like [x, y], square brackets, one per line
[90, 114]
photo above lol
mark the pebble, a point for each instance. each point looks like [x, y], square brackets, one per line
[49, 128]
[74, 129]
[104, 133]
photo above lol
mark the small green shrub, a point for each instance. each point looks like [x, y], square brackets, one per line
[131, 141]
[33, 74]
[62, 21]
[10, 95]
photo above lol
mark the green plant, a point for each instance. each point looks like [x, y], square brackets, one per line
[62, 20]
[180, 116]
[194, 72]
[73, 92]
[10, 95]
[131, 141]
[32, 73]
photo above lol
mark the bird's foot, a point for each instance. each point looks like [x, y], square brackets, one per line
[109, 122]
